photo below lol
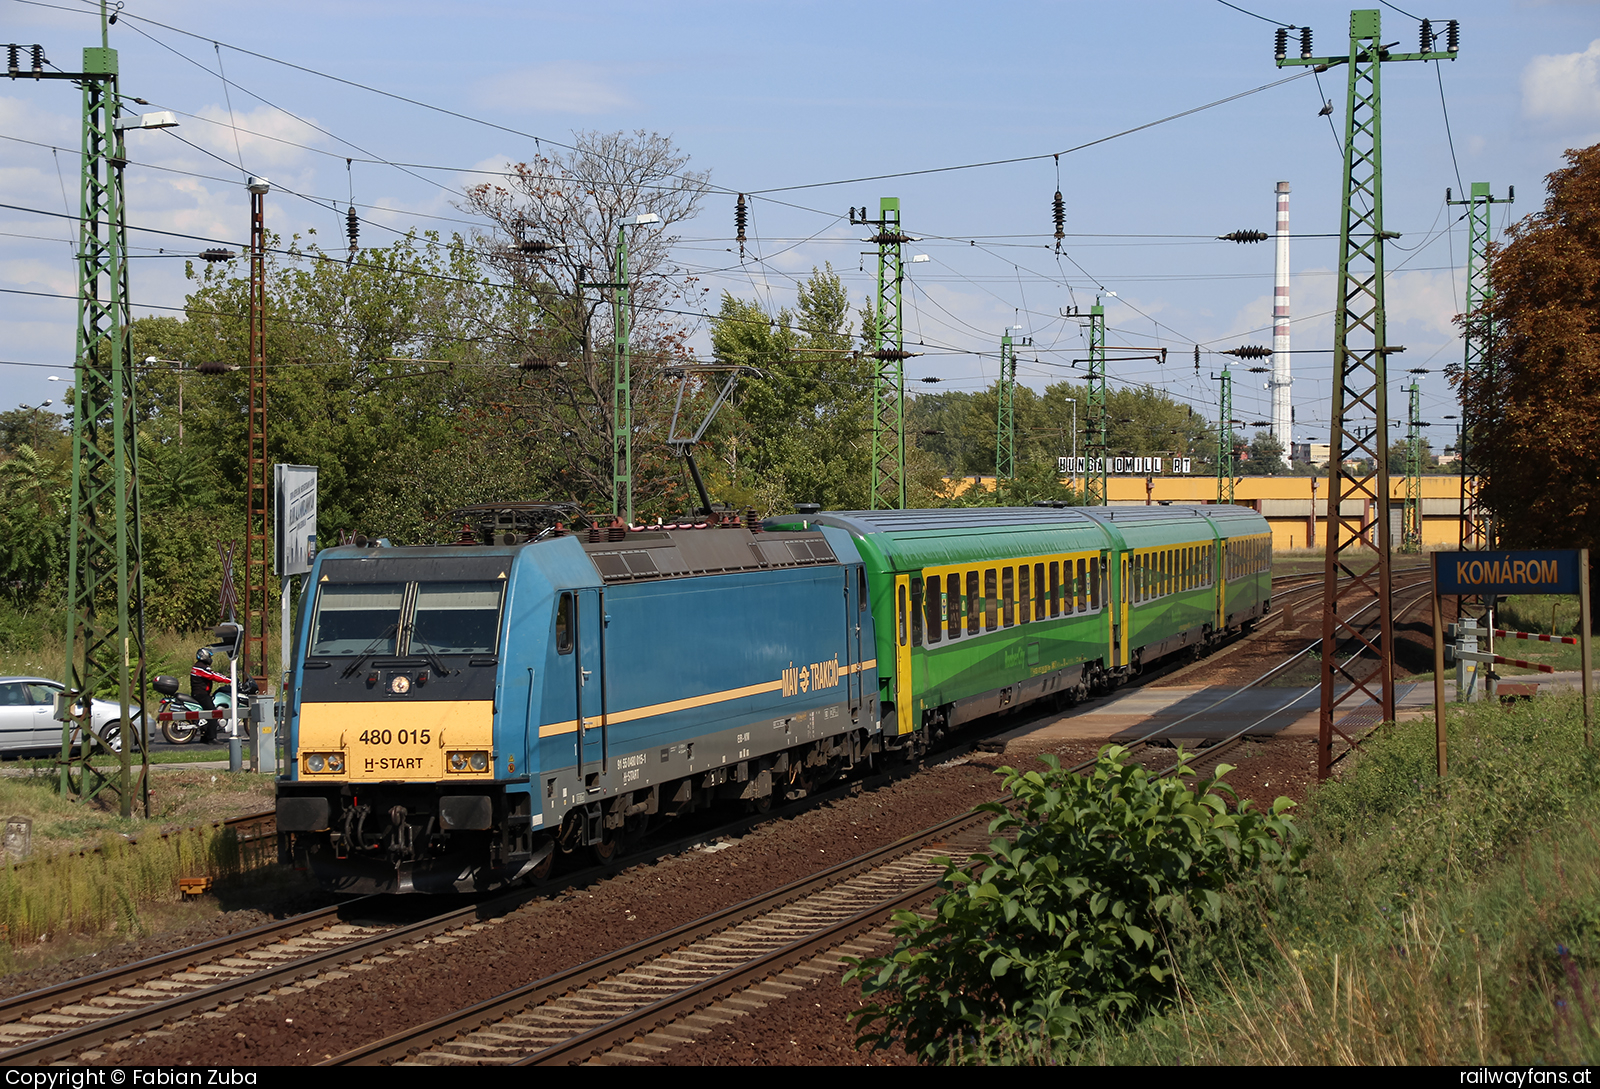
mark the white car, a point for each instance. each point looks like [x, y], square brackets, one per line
[28, 723]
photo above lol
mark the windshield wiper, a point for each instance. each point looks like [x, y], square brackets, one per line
[433, 658]
[350, 669]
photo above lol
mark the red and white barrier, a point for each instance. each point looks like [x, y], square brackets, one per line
[191, 716]
[1572, 639]
[1500, 659]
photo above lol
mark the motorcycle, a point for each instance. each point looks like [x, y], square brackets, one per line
[209, 692]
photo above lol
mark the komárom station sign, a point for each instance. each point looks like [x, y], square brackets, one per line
[1498, 574]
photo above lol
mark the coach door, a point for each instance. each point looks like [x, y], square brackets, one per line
[1117, 600]
[589, 663]
[904, 721]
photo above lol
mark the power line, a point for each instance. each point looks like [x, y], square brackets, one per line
[1034, 158]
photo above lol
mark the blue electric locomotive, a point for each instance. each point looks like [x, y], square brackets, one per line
[458, 714]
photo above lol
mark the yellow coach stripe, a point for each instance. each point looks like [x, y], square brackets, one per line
[553, 729]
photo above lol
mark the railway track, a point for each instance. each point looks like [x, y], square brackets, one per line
[624, 1006]
[84, 1019]
[1212, 754]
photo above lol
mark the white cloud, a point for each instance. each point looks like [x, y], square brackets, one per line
[1424, 300]
[266, 137]
[1563, 85]
[560, 87]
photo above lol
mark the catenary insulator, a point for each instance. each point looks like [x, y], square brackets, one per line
[1452, 36]
[1305, 42]
[352, 227]
[217, 254]
[1249, 351]
[741, 216]
[1425, 37]
[214, 368]
[38, 58]
[1243, 236]
[1197, 359]
[11, 57]
[1280, 44]
[1059, 210]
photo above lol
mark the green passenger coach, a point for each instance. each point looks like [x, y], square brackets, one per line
[979, 609]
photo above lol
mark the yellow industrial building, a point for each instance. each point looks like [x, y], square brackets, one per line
[1295, 506]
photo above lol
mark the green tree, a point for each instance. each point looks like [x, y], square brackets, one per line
[1538, 407]
[801, 431]
[35, 505]
[556, 221]
[1266, 457]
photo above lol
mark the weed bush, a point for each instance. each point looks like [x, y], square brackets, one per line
[1059, 930]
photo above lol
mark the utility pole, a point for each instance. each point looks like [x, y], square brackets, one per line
[1225, 438]
[1477, 377]
[1411, 517]
[1356, 569]
[888, 488]
[258, 473]
[105, 553]
[1094, 477]
[622, 373]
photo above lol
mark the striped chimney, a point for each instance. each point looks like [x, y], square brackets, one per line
[1282, 413]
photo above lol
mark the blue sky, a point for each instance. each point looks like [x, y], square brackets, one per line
[771, 96]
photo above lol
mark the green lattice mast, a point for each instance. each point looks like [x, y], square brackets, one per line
[1005, 424]
[104, 654]
[1411, 516]
[889, 384]
[1356, 570]
[1477, 526]
[1094, 477]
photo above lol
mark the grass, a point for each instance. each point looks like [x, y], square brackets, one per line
[1440, 922]
[86, 874]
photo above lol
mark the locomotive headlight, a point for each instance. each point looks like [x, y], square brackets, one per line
[315, 761]
[474, 761]
[336, 761]
[327, 763]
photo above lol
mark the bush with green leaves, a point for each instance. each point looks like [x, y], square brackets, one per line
[1059, 929]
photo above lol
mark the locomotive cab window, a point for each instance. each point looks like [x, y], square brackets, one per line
[357, 619]
[564, 625]
[457, 618]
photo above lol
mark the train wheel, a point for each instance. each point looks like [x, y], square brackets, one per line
[605, 851]
[541, 872]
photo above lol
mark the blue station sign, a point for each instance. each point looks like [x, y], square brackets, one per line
[1501, 573]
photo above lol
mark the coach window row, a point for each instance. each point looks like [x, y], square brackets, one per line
[949, 605]
[1163, 571]
[1248, 556]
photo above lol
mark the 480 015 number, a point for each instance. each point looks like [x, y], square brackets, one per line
[394, 737]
